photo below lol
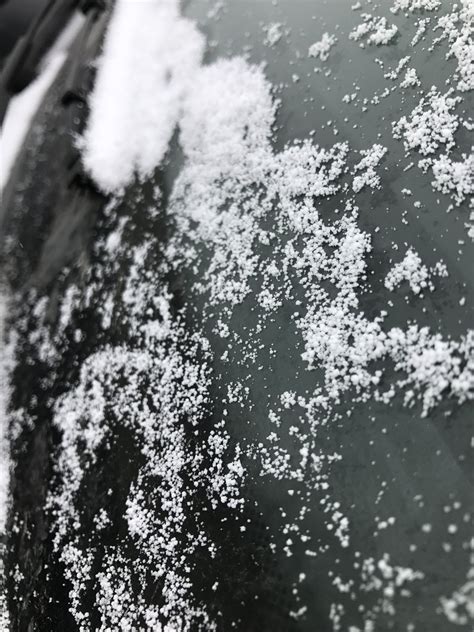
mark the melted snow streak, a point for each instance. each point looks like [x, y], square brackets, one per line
[248, 228]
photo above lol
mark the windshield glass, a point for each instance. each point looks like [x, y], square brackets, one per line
[242, 281]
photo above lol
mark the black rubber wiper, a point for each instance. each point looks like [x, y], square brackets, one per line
[21, 66]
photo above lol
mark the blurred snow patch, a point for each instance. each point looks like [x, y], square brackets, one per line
[150, 56]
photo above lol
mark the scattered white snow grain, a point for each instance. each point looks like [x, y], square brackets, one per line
[455, 178]
[322, 48]
[457, 28]
[401, 64]
[273, 33]
[420, 31]
[431, 123]
[410, 80]
[415, 5]
[417, 274]
[368, 175]
[376, 30]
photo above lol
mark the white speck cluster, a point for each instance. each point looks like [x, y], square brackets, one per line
[459, 607]
[416, 5]
[432, 123]
[322, 48]
[431, 126]
[422, 26]
[401, 64]
[454, 178]
[410, 80]
[417, 274]
[457, 28]
[273, 33]
[368, 176]
[375, 31]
